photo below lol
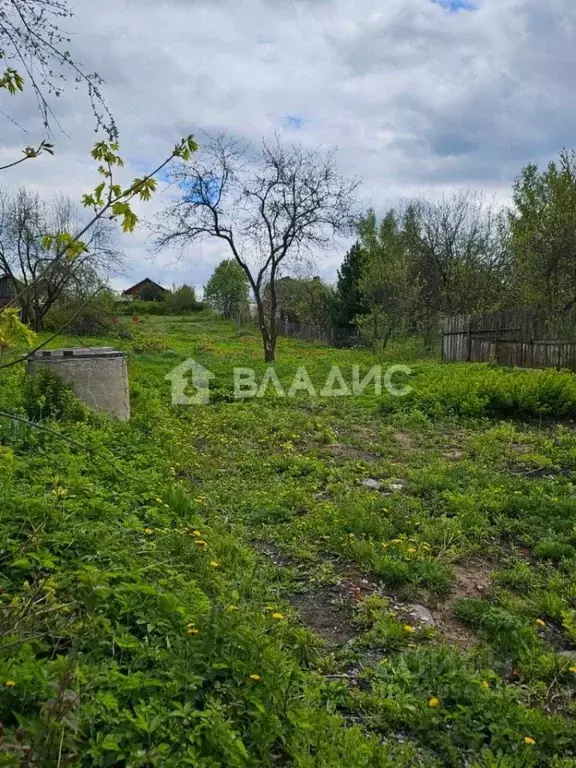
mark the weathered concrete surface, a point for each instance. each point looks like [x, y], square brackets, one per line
[98, 375]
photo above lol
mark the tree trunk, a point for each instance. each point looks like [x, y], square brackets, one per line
[268, 340]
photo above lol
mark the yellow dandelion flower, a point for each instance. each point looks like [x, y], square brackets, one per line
[485, 684]
[197, 534]
[572, 669]
[277, 615]
[159, 500]
[529, 740]
[411, 550]
[540, 623]
[231, 608]
[255, 677]
[408, 628]
[434, 702]
[193, 631]
[201, 543]
[148, 531]
[9, 683]
[214, 564]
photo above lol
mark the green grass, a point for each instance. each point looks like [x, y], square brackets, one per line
[129, 642]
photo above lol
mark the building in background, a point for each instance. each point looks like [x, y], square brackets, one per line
[6, 290]
[146, 290]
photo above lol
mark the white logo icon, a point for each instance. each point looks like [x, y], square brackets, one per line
[190, 373]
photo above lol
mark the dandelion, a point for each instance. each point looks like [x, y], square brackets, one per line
[148, 531]
[434, 702]
[277, 616]
[200, 543]
[411, 550]
[540, 623]
[572, 669]
[529, 740]
[9, 683]
[214, 563]
[255, 677]
[193, 631]
[408, 628]
[485, 684]
[197, 534]
[232, 608]
[159, 500]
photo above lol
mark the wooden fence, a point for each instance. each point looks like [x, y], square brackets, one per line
[524, 338]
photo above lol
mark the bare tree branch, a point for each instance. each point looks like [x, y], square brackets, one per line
[272, 209]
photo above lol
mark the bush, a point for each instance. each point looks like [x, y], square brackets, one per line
[478, 390]
[95, 319]
[181, 302]
[48, 397]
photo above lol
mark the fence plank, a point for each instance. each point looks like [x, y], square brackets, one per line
[516, 337]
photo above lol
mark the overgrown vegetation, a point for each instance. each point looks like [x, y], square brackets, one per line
[220, 585]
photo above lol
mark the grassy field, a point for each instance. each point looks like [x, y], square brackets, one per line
[327, 581]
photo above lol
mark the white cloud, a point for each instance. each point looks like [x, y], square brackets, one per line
[418, 99]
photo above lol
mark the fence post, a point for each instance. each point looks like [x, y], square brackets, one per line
[469, 352]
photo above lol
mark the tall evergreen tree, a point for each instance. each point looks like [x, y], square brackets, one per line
[349, 301]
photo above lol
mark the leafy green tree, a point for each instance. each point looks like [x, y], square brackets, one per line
[227, 290]
[183, 300]
[307, 301]
[387, 289]
[348, 301]
[543, 234]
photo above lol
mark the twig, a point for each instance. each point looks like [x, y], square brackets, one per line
[54, 335]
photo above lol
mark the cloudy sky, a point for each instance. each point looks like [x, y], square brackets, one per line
[419, 96]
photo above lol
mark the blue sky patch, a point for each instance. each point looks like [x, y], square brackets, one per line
[196, 191]
[293, 121]
[456, 5]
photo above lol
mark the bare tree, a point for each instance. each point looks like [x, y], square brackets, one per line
[457, 248]
[31, 37]
[36, 270]
[272, 209]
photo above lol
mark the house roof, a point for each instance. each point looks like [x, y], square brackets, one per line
[146, 281]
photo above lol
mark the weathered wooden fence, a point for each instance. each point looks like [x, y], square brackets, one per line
[521, 337]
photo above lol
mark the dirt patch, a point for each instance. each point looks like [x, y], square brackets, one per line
[453, 455]
[325, 614]
[471, 580]
[273, 554]
[343, 451]
[405, 441]
[328, 611]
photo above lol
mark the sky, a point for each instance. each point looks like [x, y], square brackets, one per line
[420, 97]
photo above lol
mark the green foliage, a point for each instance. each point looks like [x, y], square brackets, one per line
[543, 230]
[13, 332]
[96, 318]
[387, 286]
[50, 398]
[307, 301]
[183, 300]
[349, 303]
[141, 624]
[474, 391]
[227, 290]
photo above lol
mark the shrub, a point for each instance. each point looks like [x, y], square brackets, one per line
[48, 397]
[95, 319]
[182, 302]
[478, 390]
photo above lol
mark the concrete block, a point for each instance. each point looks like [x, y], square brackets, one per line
[98, 375]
